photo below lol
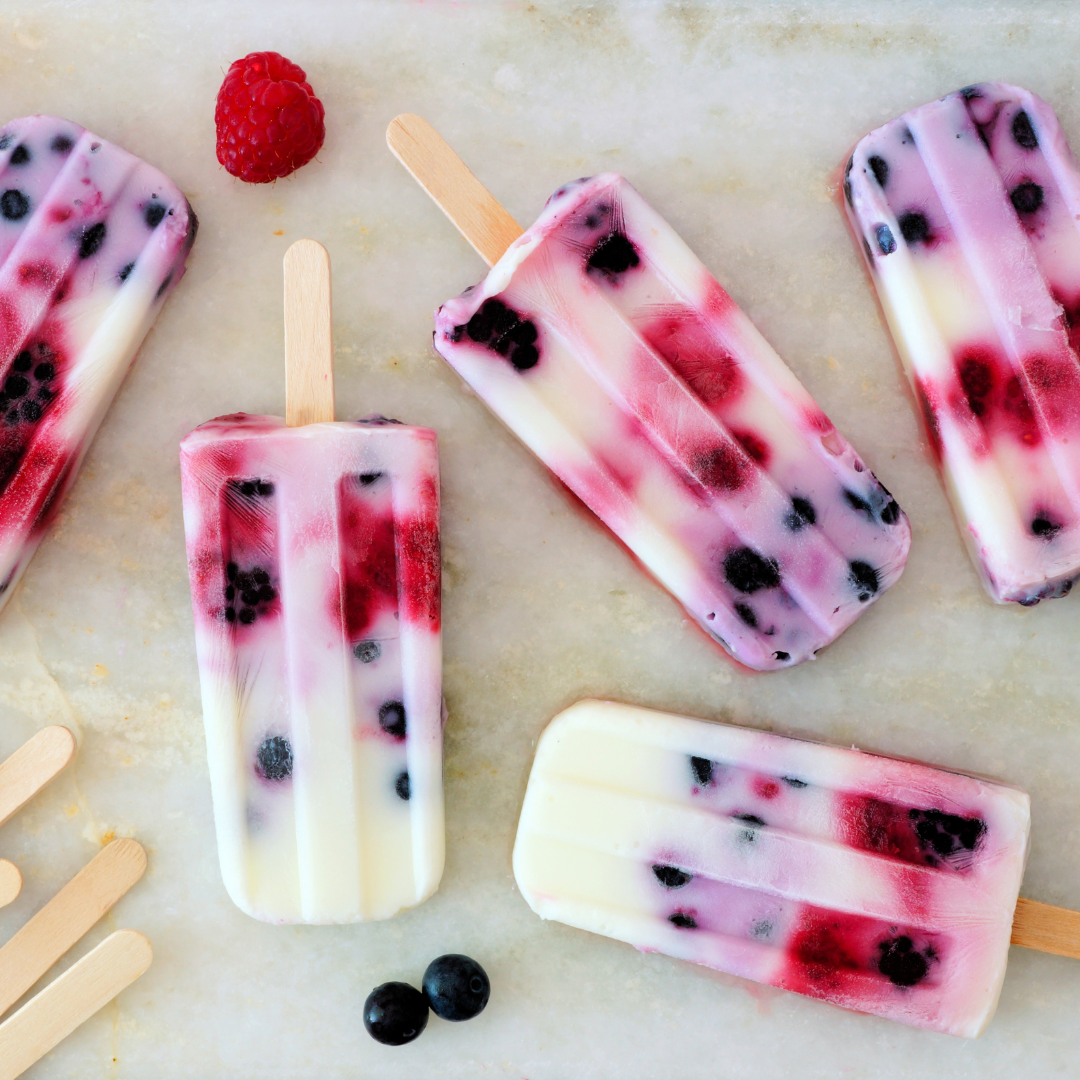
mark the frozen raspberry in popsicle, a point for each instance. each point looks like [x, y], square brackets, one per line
[603, 342]
[313, 550]
[92, 241]
[966, 212]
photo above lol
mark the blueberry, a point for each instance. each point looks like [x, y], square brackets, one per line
[864, 578]
[702, 768]
[259, 576]
[62, 144]
[1044, 527]
[153, 214]
[91, 239]
[230, 615]
[402, 786]
[857, 502]
[15, 386]
[880, 168]
[781, 655]
[456, 987]
[1026, 197]
[392, 718]
[23, 362]
[267, 594]
[247, 616]
[125, 270]
[525, 357]
[5, 141]
[274, 760]
[793, 781]
[671, 877]
[1023, 132]
[886, 242]
[250, 597]
[891, 513]
[231, 571]
[248, 487]
[367, 651]
[44, 372]
[748, 571]
[395, 1013]
[31, 411]
[20, 155]
[14, 205]
[230, 593]
[683, 921]
[901, 963]
[914, 226]
[751, 819]
[264, 488]
[614, 255]
[369, 478]
[746, 613]
[802, 514]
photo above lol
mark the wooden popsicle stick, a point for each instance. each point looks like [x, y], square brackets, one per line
[309, 344]
[10, 882]
[1046, 928]
[67, 916]
[74, 997]
[475, 212]
[32, 766]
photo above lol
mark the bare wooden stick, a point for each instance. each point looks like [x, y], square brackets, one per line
[32, 766]
[1046, 928]
[72, 998]
[67, 916]
[455, 190]
[309, 345]
[10, 882]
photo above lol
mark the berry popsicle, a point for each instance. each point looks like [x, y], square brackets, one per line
[966, 213]
[881, 885]
[608, 348]
[313, 552]
[92, 241]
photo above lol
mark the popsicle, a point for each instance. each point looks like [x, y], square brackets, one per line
[881, 885]
[313, 551]
[966, 213]
[603, 342]
[92, 241]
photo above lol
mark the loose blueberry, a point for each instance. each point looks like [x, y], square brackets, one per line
[392, 718]
[456, 987]
[23, 362]
[62, 144]
[1044, 527]
[702, 768]
[20, 155]
[1026, 197]
[395, 1013]
[683, 921]
[15, 386]
[369, 478]
[671, 877]
[746, 613]
[153, 214]
[14, 205]
[614, 255]
[864, 578]
[886, 242]
[367, 651]
[914, 226]
[402, 786]
[274, 760]
[1022, 131]
[880, 168]
[91, 239]
[901, 963]
[802, 514]
[748, 571]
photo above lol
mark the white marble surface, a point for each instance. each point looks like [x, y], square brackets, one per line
[731, 119]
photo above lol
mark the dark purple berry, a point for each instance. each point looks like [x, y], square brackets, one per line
[23, 362]
[402, 786]
[857, 502]
[62, 144]
[1022, 131]
[125, 271]
[1026, 197]
[802, 514]
[613, 255]
[793, 781]
[781, 655]
[250, 597]
[44, 372]
[31, 411]
[671, 877]
[1044, 527]
[747, 614]
[395, 1013]
[683, 921]
[880, 168]
[91, 239]
[5, 141]
[274, 760]
[14, 205]
[864, 578]
[456, 987]
[369, 478]
[16, 386]
[230, 615]
[153, 214]
[748, 571]
[886, 242]
[247, 616]
[20, 155]
[392, 718]
[901, 963]
[266, 594]
[367, 651]
[231, 571]
[264, 488]
[702, 768]
[914, 227]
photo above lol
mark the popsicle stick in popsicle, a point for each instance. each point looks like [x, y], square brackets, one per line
[475, 212]
[1046, 928]
[32, 766]
[71, 999]
[67, 917]
[309, 345]
[10, 882]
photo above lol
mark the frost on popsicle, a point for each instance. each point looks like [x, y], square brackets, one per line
[611, 351]
[967, 212]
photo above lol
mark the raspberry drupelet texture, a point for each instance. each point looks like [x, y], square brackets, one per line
[269, 121]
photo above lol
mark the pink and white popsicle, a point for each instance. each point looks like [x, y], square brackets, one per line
[92, 241]
[313, 553]
[880, 885]
[966, 211]
[607, 347]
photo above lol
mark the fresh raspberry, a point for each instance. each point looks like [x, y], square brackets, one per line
[269, 121]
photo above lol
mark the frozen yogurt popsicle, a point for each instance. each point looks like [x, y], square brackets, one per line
[966, 211]
[313, 551]
[607, 347]
[881, 885]
[92, 241]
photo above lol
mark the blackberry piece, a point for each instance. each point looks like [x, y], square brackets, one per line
[947, 835]
[91, 239]
[802, 514]
[402, 786]
[880, 168]
[23, 362]
[392, 718]
[15, 386]
[20, 155]
[746, 613]
[45, 372]
[506, 332]
[748, 571]
[1043, 527]
[886, 242]
[901, 963]
[247, 616]
[367, 651]
[671, 877]
[14, 205]
[274, 760]
[914, 227]
[153, 214]
[682, 920]
[456, 987]
[1022, 132]
[31, 411]
[62, 144]
[230, 615]
[1026, 197]
[857, 502]
[614, 255]
[231, 571]
[864, 578]
[395, 1013]
[702, 768]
